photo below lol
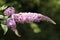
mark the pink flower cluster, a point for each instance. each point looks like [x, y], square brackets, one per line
[30, 17]
[11, 23]
[27, 17]
[24, 17]
[9, 11]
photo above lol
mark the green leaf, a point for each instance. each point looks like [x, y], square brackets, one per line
[37, 30]
[5, 17]
[3, 7]
[5, 28]
[1, 17]
[35, 27]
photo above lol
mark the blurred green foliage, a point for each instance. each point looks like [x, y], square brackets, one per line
[48, 31]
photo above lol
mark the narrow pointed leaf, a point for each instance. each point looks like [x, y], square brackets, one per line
[5, 28]
[3, 7]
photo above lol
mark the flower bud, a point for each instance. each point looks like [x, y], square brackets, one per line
[11, 23]
[9, 11]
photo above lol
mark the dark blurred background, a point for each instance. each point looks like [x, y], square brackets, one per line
[48, 31]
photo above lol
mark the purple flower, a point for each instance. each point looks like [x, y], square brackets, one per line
[9, 11]
[19, 18]
[30, 17]
[25, 18]
[11, 23]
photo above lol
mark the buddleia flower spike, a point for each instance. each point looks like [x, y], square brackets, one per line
[23, 17]
[12, 25]
[9, 11]
[31, 17]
